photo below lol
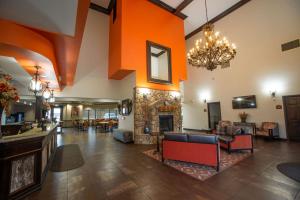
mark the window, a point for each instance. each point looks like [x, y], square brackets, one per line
[89, 114]
[57, 114]
[106, 113]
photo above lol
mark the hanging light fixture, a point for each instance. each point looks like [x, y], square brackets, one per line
[213, 50]
[52, 98]
[46, 91]
[35, 84]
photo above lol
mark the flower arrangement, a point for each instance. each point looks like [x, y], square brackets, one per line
[7, 91]
[243, 116]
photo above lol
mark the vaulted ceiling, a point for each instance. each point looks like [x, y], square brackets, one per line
[53, 16]
[192, 11]
[58, 25]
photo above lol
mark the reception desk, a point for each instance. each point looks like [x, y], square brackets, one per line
[24, 161]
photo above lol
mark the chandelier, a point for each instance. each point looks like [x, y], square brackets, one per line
[213, 50]
[36, 85]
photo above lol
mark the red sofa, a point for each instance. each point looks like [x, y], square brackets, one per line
[237, 142]
[200, 149]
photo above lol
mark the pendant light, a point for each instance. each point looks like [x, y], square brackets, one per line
[52, 98]
[35, 84]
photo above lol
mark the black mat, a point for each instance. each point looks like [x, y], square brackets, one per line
[291, 170]
[67, 157]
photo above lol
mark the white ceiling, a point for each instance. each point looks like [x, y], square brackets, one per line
[196, 12]
[9, 65]
[57, 16]
[60, 16]
[173, 3]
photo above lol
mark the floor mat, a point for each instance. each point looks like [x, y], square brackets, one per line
[291, 170]
[67, 157]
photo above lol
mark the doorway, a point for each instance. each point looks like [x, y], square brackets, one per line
[292, 116]
[214, 114]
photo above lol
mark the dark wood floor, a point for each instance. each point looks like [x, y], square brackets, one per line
[114, 170]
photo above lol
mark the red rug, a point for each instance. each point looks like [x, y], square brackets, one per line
[201, 172]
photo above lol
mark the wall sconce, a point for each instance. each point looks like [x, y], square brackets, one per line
[175, 94]
[273, 95]
[205, 96]
[144, 92]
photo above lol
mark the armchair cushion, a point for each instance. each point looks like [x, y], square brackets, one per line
[222, 127]
[270, 129]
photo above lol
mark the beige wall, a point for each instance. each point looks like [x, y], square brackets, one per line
[91, 78]
[67, 109]
[258, 29]
[128, 83]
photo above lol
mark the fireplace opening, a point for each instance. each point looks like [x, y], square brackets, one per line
[166, 123]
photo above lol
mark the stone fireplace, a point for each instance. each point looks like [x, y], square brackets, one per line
[157, 111]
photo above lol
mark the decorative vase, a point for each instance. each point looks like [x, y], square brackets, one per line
[1, 111]
[243, 119]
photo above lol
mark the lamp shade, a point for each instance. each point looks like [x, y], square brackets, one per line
[47, 91]
[52, 99]
[46, 94]
[35, 85]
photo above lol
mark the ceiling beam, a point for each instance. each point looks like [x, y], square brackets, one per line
[99, 8]
[182, 6]
[111, 5]
[168, 8]
[218, 17]
[107, 10]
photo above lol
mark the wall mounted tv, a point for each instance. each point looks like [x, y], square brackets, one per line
[244, 102]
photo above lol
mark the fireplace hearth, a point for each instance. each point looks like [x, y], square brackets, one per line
[166, 123]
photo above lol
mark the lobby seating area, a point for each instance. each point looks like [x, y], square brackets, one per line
[149, 100]
[104, 125]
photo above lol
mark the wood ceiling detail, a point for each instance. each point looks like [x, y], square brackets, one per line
[181, 6]
[176, 11]
[170, 9]
[106, 11]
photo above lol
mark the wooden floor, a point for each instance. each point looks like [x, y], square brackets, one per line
[114, 170]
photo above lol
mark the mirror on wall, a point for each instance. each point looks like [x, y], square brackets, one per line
[159, 63]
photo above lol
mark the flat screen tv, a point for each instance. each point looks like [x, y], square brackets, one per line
[244, 102]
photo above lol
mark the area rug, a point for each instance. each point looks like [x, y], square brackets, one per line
[291, 170]
[67, 157]
[201, 172]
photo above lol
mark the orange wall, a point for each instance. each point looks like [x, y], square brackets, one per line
[139, 21]
[29, 48]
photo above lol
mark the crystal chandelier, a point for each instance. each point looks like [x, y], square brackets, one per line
[212, 51]
[36, 85]
[46, 91]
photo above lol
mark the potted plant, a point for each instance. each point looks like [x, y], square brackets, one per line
[243, 117]
[8, 93]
